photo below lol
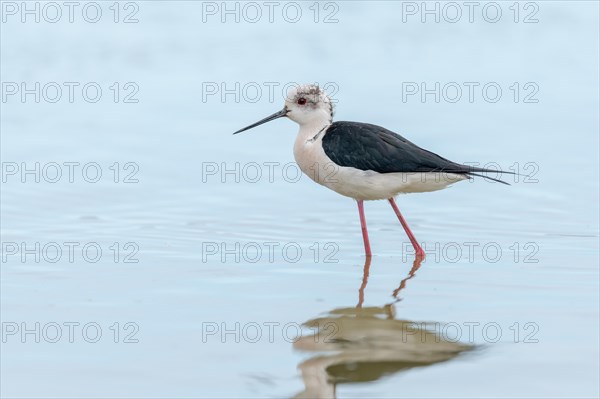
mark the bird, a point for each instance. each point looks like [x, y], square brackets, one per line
[363, 161]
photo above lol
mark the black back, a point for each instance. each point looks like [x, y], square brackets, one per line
[370, 147]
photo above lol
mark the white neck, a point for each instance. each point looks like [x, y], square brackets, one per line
[312, 131]
[315, 126]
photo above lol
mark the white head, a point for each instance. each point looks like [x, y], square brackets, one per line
[306, 104]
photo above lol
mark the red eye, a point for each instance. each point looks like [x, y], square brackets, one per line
[302, 101]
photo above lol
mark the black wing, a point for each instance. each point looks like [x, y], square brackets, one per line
[370, 147]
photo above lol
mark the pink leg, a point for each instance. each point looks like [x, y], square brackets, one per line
[363, 225]
[418, 250]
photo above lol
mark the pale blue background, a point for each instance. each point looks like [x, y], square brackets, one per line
[367, 55]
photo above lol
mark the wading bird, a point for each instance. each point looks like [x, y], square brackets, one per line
[363, 161]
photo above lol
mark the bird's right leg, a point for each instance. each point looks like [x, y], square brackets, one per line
[363, 225]
[418, 250]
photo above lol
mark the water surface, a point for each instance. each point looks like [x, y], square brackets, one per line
[504, 305]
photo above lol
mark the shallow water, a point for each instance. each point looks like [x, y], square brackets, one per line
[241, 285]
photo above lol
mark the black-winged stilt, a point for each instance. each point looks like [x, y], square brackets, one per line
[363, 161]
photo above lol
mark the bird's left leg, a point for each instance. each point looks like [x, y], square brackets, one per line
[418, 250]
[363, 226]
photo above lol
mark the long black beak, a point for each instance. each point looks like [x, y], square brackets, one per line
[276, 115]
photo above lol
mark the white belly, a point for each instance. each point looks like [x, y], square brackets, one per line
[360, 184]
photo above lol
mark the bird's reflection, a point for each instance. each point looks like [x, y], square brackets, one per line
[365, 280]
[362, 344]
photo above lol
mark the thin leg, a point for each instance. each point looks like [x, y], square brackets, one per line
[363, 226]
[418, 250]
